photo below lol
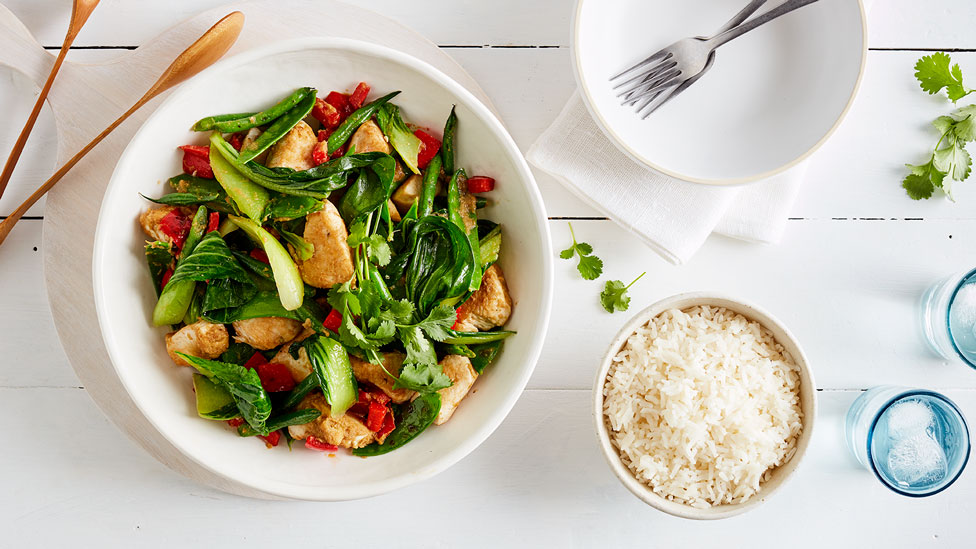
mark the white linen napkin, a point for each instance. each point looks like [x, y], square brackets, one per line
[671, 216]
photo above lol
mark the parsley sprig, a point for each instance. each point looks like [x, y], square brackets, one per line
[590, 267]
[614, 295]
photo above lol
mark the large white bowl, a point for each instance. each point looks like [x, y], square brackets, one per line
[124, 296]
[779, 475]
[773, 96]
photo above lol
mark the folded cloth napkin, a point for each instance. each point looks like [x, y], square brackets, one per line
[671, 216]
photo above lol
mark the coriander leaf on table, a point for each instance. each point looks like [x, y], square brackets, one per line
[935, 72]
[614, 295]
[590, 267]
[949, 159]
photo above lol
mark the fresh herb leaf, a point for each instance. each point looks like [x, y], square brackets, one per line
[614, 295]
[935, 72]
[949, 161]
[590, 267]
[376, 245]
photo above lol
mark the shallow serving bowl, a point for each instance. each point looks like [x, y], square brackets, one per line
[808, 405]
[772, 97]
[125, 298]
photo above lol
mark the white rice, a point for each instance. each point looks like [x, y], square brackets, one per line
[702, 404]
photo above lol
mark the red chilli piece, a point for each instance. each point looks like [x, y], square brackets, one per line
[341, 102]
[320, 153]
[429, 145]
[259, 255]
[272, 440]
[326, 113]
[213, 223]
[236, 140]
[480, 184]
[176, 225]
[256, 360]
[313, 443]
[235, 422]
[275, 377]
[388, 425]
[332, 321]
[196, 161]
[377, 413]
[358, 96]
[323, 135]
[166, 276]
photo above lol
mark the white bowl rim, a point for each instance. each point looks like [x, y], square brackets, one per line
[733, 181]
[612, 457]
[442, 463]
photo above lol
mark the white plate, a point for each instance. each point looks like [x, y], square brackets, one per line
[772, 97]
[124, 297]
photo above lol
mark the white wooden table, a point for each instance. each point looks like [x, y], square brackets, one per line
[846, 279]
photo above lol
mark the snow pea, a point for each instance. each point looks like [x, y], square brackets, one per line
[412, 418]
[354, 120]
[281, 126]
[231, 123]
[447, 145]
[473, 338]
[425, 205]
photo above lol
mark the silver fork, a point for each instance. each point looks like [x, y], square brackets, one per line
[682, 63]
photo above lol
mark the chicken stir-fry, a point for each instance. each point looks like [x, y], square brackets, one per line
[326, 271]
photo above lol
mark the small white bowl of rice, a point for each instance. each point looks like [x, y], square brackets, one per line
[704, 405]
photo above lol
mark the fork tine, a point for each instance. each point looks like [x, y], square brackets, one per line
[664, 63]
[657, 55]
[649, 87]
[646, 78]
[677, 91]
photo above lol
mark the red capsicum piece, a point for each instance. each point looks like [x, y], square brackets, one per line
[213, 223]
[235, 422]
[256, 360]
[272, 440]
[332, 321]
[275, 377]
[166, 276]
[388, 425]
[313, 443]
[358, 96]
[480, 184]
[260, 256]
[196, 160]
[429, 145]
[341, 102]
[236, 140]
[176, 225]
[326, 113]
[377, 413]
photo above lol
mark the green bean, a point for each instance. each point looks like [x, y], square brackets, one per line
[454, 200]
[354, 120]
[208, 123]
[176, 296]
[472, 338]
[245, 121]
[279, 128]
[425, 205]
[447, 145]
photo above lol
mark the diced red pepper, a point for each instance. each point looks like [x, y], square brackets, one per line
[214, 222]
[381, 397]
[313, 443]
[272, 440]
[166, 276]
[388, 425]
[320, 153]
[196, 160]
[457, 318]
[377, 413]
[256, 360]
[275, 377]
[358, 96]
[341, 102]
[332, 321]
[259, 255]
[326, 113]
[323, 135]
[176, 225]
[429, 145]
[236, 140]
[235, 422]
[480, 184]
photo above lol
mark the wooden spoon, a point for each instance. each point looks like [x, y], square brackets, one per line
[201, 54]
[79, 15]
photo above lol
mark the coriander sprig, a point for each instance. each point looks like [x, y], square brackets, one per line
[614, 295]
[590, 267]
[934, 72]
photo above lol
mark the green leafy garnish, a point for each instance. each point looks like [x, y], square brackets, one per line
[949, 161]
[242, 383]
[614, 295]
[375, 245]
[934, 73]
[590, 266]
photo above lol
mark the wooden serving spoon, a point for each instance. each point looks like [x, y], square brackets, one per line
[79, 15]
[201, 54]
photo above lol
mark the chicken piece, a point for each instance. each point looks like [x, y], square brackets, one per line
[374, 373]
[345, 430]
[252, 135]
[200, 339]
[331, 262]
[294, 150]
[267, 332]
[394, 214]
[369, 138]
[488, 307]
[462, 373]
[398, 173]
[409, 192]
[300, 367]
[149, 221]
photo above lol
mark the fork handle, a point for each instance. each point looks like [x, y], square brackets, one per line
[738, 31]
[738, 18]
